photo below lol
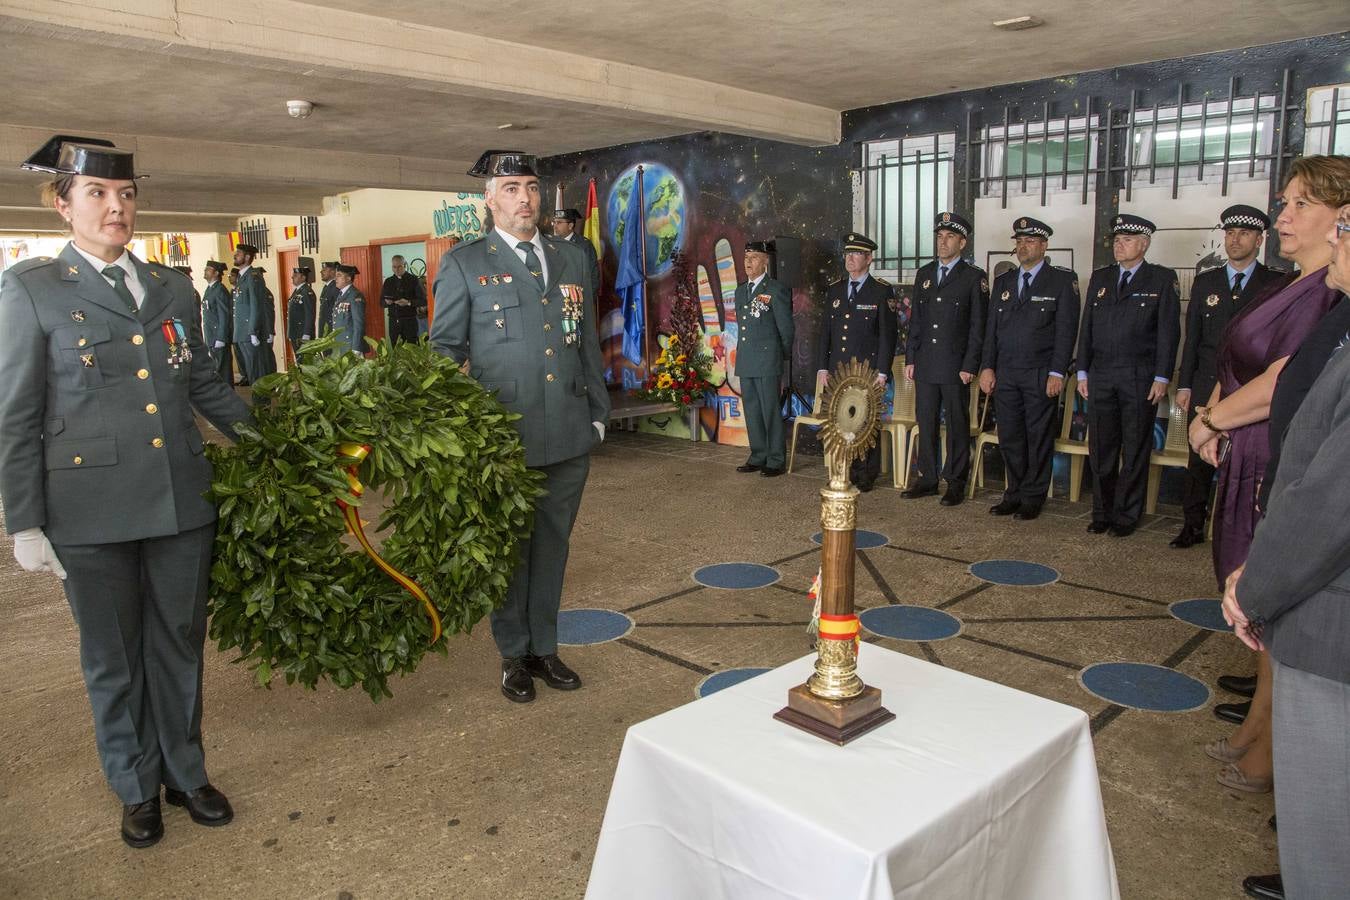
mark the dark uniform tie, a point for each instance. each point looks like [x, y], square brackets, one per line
[852, 291]
[1237, 284]
[1026, 285]
[532, 263]
[118, 276]
[942, 276]
[1124, 283]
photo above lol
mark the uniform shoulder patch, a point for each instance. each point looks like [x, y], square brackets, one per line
[881, 281]
[836, 281]
[28, 265]
[1062, 268]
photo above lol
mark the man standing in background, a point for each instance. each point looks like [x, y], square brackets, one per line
[402, 296]
[218, 320]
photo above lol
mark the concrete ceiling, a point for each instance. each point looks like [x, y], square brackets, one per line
[408, 92]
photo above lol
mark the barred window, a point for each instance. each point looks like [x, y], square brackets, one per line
[906, 183]
[1165, 146]
[1323, 131]
[1020, 154]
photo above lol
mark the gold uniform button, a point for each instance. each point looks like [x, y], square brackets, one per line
[548, 352]
[79, 460]
[548, 327]
[550, 377]
[81, 342]
[496, 306]
[137, 339]
[545, 301]
[143, 374]
[151, 408]
[157, 443]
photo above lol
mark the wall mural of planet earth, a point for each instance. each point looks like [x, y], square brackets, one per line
[663, 197]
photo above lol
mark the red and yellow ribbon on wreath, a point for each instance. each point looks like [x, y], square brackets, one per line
[841, 628]
[351, 456]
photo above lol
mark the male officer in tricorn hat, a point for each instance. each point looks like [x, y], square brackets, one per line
[764, 311]
[565, 226]
[518, 306]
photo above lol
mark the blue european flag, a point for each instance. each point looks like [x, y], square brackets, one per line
[629, 284]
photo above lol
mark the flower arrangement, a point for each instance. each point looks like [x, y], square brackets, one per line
[678, 375]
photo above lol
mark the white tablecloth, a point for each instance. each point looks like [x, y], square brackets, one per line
[975, 790]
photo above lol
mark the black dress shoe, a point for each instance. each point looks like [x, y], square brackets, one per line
[770, 472]
[553, 671]
[953, 497]
[1264, 887]
[517, 684]
[1122, 530]
[1188, 537]
[1237, 684]
[142, 824]
[206, 805]
[1097, 528]
[1027, 513]
[748, 467]
[1004, 508]
[1233, 712]
[916, 492]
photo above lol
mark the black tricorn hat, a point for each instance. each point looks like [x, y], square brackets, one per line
[67, 154]
[503, 162]
[759, 246]
[569, 214]
[329, 265]
[247, 248]
[220, 267]
[302, 270]
[349, 271]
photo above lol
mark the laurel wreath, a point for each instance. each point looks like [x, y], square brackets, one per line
[299, 600]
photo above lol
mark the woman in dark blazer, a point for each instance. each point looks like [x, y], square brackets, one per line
[103, 475]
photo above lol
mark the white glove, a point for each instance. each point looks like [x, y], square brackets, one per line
[269, 339]
[600, 427]
[34, 553]
[253, 339]
[219, 345]
[304, 337]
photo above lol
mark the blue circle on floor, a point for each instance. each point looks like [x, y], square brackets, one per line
[911, 623]
[736, 576]
[726, 678]
[1206, 614]
[1014, 572]
[1144, 686]
[862, 540]
[591, 626]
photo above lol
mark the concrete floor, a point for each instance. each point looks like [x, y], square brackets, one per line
[449, 790]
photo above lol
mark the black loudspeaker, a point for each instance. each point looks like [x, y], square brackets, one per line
[786, 263]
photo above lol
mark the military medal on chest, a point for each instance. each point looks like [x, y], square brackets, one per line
[572, 306]
[759, 304]
[1212, 300]
[176, 338]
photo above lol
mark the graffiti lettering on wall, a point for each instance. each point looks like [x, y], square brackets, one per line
[463, 219]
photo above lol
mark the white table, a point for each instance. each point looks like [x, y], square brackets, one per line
[975, 790]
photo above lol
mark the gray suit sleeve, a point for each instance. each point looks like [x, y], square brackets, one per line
[23, 406]
[450, 326]
[1303, 543]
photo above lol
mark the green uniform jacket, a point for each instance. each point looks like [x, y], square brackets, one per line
[349, 320]
[97, 440]
[490, 311]
[765, 328]
[217, 315]
[250, 308]
[300, 315]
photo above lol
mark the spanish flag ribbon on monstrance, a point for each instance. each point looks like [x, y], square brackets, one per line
[351, 456]
[841, 628]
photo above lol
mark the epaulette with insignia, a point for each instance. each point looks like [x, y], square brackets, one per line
[28, 265]
[1061, 268]
[881, 281]
[836, 281]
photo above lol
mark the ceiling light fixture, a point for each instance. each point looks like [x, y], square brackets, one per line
[509, 126]
[299, 109]
[1021, 23]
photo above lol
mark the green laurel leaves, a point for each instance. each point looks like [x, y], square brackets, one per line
[299, 600]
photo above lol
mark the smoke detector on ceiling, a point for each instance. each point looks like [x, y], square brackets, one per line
[1021, 23]
[299, 109]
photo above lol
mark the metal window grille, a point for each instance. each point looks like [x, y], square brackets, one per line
[1037, 157]
[255, 232]
[1326, 127]
[906, 183]
[309, 234]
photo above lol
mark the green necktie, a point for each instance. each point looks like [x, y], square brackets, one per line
[532, 263]
[119, 280]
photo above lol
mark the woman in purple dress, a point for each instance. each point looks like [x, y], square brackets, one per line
[1233, 430]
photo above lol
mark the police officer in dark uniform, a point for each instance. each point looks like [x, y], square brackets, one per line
[1216, 296]
[218, 320]
[859, 323]
[300, 309]
[402, 296]
[946, 334]
[1028, 345]
[565, 227]
[103, 475]
[250, 314]
[764, 311]
[1126, 351]
[323, 320]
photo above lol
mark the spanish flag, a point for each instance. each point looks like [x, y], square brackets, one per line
[236, 238]
[292, 232]
[591, 231]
